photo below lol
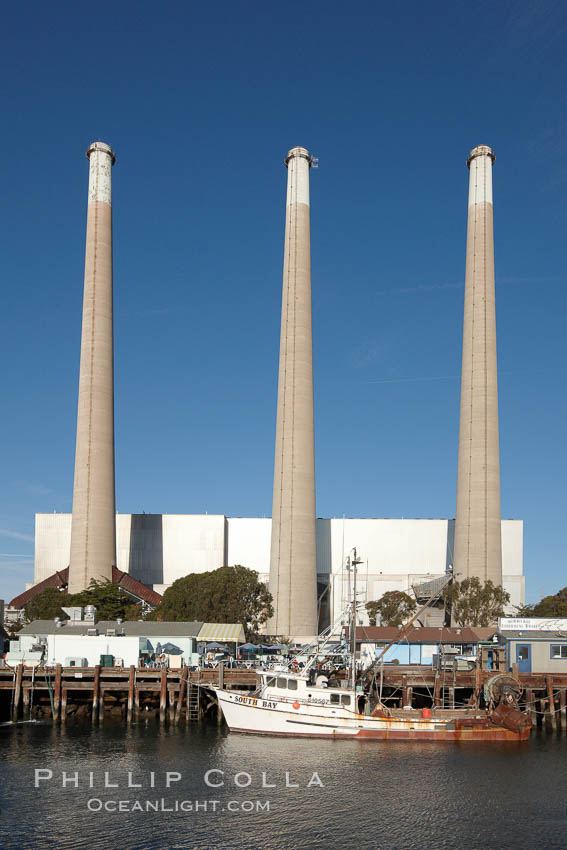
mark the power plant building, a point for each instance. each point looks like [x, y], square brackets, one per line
[157, 549]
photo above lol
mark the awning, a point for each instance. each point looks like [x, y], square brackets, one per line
[232, 632]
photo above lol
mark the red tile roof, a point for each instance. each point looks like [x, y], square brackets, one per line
[60, 579]
[135, 587]
[371, 634]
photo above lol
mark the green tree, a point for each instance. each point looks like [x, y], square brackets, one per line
[551, 606]
[394, 607]
[475, 604]
[110, 601]
[226, 595]
[46, 605]
[524, 610]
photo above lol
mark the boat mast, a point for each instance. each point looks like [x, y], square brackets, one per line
[353, 563]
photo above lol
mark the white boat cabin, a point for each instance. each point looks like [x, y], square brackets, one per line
[289, 687]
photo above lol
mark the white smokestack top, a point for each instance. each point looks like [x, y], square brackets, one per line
[298, 163]
[480, 163]
[101, 158]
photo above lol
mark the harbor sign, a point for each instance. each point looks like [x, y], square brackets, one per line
[532, 624]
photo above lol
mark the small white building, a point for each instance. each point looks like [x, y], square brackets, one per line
[84, 641]
[79, 643]
[535, 644]
[72, 650]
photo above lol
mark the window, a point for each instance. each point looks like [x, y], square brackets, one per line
[292, 684]
[345, 700]
[523, 653]
[559, 650]
[282, 683]
[335, 699]
[270, 681]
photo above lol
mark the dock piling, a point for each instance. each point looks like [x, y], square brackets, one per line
[57, 694]
[530, 708]
[17, 692]
[437, 689]
[131, 686]
[96, 687]
[102, 690]
[182, 684]
[63, 704]
[406, 692]
[163, 695]
[477, 684]
[551, 703]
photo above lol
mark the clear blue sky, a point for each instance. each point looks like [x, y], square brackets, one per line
[201, 103]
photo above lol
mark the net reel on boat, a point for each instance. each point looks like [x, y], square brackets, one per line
[502, 688]
[502, 693]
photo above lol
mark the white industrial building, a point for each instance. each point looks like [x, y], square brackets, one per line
[157, 549]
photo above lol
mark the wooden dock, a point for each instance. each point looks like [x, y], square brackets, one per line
[131, 693]
[173, 696]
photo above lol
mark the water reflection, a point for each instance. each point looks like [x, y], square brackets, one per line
[391, 795]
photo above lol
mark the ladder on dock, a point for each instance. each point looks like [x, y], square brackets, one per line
[193, 702]
[447, 691]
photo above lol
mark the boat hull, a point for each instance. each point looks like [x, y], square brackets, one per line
[257, 716]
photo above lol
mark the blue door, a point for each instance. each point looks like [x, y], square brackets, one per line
[524, 657]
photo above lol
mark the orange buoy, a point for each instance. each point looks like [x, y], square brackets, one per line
[295, 705]
[426, 713]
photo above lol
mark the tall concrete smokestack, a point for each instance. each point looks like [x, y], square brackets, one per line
[93, 529]
[478, 543]
[293, 566]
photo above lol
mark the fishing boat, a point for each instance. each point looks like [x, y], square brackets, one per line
[289, 704]
[313, 703]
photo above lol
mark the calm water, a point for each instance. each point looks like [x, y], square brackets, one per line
[375, 795]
